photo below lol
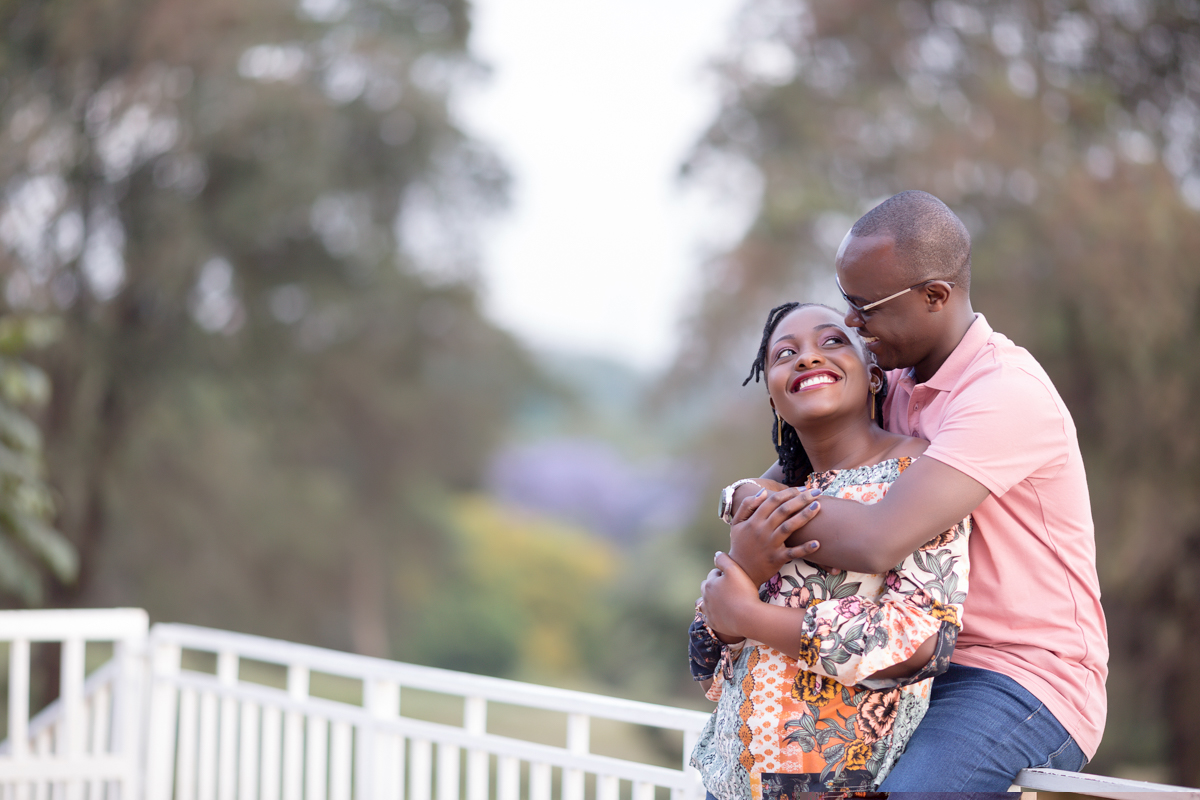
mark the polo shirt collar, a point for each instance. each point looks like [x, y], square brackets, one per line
[948, 374]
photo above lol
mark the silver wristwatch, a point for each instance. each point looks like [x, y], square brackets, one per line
[725, 507]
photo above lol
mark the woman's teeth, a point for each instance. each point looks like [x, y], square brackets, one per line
[815, 380]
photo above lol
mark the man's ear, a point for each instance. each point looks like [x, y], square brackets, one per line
[937, 294]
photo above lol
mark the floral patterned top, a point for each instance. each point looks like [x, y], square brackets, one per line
[812, 721]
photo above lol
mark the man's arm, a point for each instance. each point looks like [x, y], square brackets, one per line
[928, 498]
[730, 599]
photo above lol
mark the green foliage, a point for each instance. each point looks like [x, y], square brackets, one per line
[524, 595]
[29, 545]
[255, 223]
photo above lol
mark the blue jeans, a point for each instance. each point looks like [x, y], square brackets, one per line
[982, 728]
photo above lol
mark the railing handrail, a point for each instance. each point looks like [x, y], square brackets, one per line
[433, 679]
[88, 624]
[1054, 780]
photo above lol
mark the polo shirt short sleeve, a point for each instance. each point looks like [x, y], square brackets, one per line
[1003, 427]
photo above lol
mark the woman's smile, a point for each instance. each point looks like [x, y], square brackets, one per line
[813, 380]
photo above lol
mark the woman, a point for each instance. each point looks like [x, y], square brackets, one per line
[819, 687]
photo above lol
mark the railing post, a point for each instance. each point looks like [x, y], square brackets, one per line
[160, 734]
[185, 767]
[248, 753]
[341, 743]
[74, 730]
[18, 697]
[293, 735]
[696, 789]
[475, 723]
[127, 694]
[508, 778]
[380, 759]
[608, 787]
[539, 781]
[227, 676]
[268, 773]
[18, 706]
[578, 742]
[447, 771]
[420, 770]
[316, 762]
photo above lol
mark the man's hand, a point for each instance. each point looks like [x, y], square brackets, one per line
[726, 596]
[762, 526]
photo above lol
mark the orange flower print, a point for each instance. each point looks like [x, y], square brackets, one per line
[810, 649]
[944, 612]
[941, 540]
[858, 753]
[877, 714]
[814, 689]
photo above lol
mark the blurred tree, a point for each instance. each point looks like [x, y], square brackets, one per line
[522, 596]
[255, 219]
[1064, 133]
[29, 545]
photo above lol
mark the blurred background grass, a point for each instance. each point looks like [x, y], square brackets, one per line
[241, 298]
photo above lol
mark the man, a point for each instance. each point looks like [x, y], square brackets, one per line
[1026, 683]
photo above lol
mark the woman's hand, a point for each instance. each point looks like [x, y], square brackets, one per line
[762, 525]
[728, 595]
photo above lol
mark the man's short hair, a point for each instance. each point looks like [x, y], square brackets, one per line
[930, 240]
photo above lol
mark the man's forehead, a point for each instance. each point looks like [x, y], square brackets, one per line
[867, 258]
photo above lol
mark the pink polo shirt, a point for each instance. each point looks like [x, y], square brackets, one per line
[1033, 611]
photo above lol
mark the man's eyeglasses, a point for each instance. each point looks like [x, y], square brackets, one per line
[877, 303]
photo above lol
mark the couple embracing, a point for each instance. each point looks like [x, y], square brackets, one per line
[910, 600]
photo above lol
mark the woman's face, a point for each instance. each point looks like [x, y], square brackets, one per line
[816, 368]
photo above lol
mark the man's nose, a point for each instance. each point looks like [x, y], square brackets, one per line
[854, 319]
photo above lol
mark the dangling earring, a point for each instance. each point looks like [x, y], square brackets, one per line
[778, 429]
[873, 404]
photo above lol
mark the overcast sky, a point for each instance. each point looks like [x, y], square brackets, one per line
[593, 104]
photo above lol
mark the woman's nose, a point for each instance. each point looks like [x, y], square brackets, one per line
[807, 357]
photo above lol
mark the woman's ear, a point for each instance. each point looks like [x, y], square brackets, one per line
[875, 377]
[771, 400]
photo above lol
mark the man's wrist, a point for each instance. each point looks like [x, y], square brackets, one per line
[730, 501]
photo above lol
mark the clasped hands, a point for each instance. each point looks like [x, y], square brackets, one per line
[757, 550]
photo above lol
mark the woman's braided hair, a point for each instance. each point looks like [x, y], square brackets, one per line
[793, 460]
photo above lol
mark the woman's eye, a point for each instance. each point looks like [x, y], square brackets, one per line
[785, 353]
[835, 340]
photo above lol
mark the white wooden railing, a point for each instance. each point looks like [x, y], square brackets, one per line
[88, 740]
[148, 724]
[242, 740]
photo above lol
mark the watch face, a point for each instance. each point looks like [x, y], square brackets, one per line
[723, 508]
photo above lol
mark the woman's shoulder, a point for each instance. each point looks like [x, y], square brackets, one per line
[907, 447]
